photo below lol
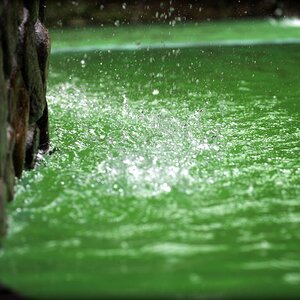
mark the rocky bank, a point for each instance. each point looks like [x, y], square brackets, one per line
[24, 52]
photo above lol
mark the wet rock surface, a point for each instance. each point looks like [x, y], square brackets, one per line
[24, 52]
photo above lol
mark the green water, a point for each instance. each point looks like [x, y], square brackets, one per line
[254, 31]
[177, 173]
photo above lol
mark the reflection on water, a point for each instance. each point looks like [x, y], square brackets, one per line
[177, 172]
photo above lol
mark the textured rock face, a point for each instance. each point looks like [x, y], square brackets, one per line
[24, 52]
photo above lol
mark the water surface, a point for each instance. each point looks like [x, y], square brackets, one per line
[177, 172]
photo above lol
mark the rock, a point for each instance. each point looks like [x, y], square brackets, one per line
[3, 116]
[43, 124]
[43, 50]
[32, 146]
[2, 206]
[30, 68]
[20, 124]
[33, 7]
[9, 37]
[24, 53]
[9, 172]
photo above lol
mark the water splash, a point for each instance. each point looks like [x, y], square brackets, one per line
[147, 149]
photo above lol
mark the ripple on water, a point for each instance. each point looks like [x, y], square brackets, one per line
[188, 182]
[175, 249]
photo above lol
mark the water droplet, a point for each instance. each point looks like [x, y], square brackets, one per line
[155, 92]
